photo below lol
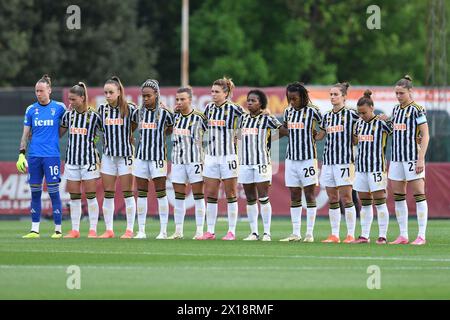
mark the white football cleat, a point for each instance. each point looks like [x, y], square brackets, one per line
[292, 238]
[266, 237]
[252, 237]
[308, 238]
[176, 236]
[197, 235]
[140, 235]
[161, 236]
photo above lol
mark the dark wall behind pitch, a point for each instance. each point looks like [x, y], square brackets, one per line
[14, 102]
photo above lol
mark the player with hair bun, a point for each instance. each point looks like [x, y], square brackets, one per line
[155, 122]
[221, 160]
[371, 135]
[338, 168]
[408, 159]
[42, 122]
[82, 158]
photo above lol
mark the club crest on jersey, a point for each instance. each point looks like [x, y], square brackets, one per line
[53, 111]
[36, 111]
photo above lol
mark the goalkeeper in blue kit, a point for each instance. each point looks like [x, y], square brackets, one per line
[42, 121]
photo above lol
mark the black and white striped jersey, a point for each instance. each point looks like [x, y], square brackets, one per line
[339, 127]
[372, 139]
[300, 124]
[255, 138]
[152, 133]
[187, 137]
[82, 128]
[222, 125]
[405, 122]
[117, 130]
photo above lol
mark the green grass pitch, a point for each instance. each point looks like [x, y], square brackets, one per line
[189, 269]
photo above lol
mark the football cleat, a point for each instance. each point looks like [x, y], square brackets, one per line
[176, 236]
[229, 236]
[73, 234]
[92, 234]
[127, 235]
[252, 237]
[400, 240]
[266, 237]
[349, 239]
[308, 238]
[332, 239]
[361, 239]
[207, 236]
[140, 235]
[292, 238]
[161, 236]
[57, 235]
[31, 235]
[419, 241]
[109, 234]
[381, 240]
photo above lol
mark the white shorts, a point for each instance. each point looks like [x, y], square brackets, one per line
[404, 171]
[187, 173]
[117, 165]
[301, 173]
[150, 169]
[370, 181]
[337, 175]
[81, 173]
[221, 167]
[255, 173]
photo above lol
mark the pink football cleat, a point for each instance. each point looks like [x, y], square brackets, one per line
[107, 235]
[400, 240]
[419, 241]
[229, 236]
[73, 234]
[361, 239]
[92, 234]
[127, 235]
[207, 236]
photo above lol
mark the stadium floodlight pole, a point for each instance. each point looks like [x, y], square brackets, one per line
[185, 43]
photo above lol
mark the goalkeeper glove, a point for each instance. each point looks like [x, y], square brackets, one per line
[22, 163]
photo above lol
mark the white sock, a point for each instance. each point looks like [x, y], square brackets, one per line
[163, 209]
[75, 214]
[366, 220]
[130, 205]
[142, 212]
[179, 213]
[383, 219]
[108, 213]
[401, 212]
[252, 214]
[232, 216]
[350, 220]
[422, 215]
[296, 219]
[93, 213]
[35, 226]
[335, 220]
[211, 216]
[266, 214]
[200, 210]
[310, 220]
[58, 228]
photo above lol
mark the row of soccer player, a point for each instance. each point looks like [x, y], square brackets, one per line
[303, 124]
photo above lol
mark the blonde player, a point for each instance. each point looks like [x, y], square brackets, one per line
[221, 161]
[82, 159]
[408, 160]
[187, 161]
[338, 170]
[151, 156]
[301, 118]
[255, 168]
[118, 123]
[371, 181]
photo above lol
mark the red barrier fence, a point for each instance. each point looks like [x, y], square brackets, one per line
[15, 194]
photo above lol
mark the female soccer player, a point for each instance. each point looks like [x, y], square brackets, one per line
[300, 118]
[370, 180]
[255, 168]
[221, 162]
[42, 121]
[408, 160]
[151, 156]
[338, 169]
[187, 160]
[82, 159]
[118, 123]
